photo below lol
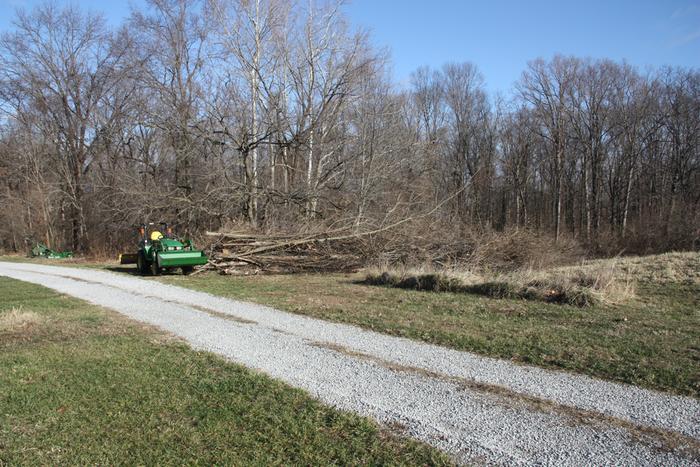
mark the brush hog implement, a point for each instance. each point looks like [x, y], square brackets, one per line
[160, 250]
[42, 251]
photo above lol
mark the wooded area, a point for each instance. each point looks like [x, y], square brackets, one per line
[278, 116]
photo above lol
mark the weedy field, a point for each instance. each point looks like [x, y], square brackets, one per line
[638, 321]
[82, 385]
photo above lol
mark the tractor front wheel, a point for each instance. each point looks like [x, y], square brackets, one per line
[141, 263]
[187, 270]
[155, 268]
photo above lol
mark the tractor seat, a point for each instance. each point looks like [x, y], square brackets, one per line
[155, 235]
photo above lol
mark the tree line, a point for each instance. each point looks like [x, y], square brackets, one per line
[278, 115]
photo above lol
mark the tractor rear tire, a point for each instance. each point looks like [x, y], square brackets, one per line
[187, 270]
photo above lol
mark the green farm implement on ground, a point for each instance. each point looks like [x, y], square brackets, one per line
[42, 251]
[160, 250]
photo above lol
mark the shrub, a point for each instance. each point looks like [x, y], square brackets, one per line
[522, 249]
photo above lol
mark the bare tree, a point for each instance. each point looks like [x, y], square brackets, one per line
[246, 29]
[468, 134]
[325, 65]
[546, 86]
[63, 64]
[173, 38]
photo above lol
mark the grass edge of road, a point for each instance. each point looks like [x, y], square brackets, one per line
[82, 384]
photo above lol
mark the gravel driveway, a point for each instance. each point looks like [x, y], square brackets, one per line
[480, 410]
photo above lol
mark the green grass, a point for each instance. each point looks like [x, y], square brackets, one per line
[651, 339]
[82, 385]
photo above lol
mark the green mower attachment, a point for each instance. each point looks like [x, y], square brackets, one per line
[158, 252]
[42, 251]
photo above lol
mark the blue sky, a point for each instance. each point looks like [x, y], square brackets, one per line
[501, 36]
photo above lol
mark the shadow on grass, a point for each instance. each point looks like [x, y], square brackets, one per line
[537, 291]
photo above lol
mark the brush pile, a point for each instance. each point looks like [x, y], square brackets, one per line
[401, 244]
[241, 253]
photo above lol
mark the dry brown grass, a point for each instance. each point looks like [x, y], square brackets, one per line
[674, 267]
[543, 288]
[16, 320]
[608, 281]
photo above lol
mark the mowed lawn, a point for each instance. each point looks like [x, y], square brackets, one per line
[652, 340]
[81, 385]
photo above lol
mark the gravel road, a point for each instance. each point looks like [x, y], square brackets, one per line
[480, 410]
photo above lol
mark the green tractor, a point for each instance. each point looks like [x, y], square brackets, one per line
[160, 250]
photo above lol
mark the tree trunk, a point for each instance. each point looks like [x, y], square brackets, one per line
[628, 194]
